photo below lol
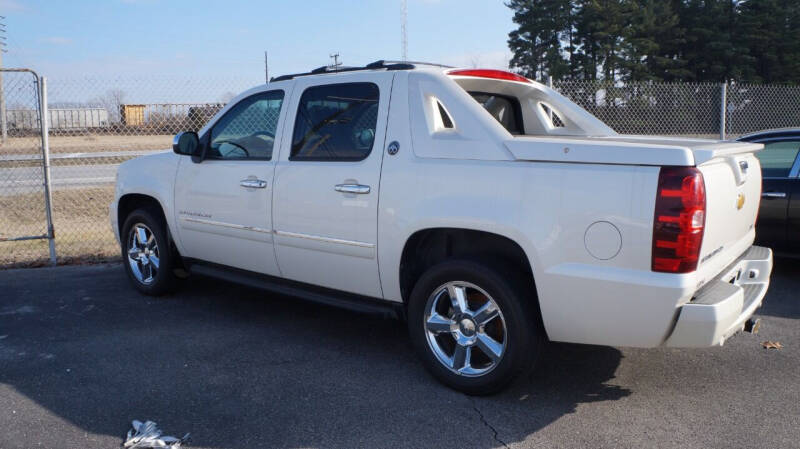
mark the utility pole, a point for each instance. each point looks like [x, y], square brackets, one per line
[266, 66]
[3, 124]
[403, 29]
[336, 62]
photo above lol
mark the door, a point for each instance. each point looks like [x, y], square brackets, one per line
[224, 203]
[779, 171]
[326, 182]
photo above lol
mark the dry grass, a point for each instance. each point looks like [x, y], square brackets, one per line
[80, 220]
[87, 143]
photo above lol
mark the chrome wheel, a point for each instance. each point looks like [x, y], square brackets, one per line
[465, 328]
[143, 255]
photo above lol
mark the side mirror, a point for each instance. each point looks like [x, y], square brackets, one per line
[186, 143]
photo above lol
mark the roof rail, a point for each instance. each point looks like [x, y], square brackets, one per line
[412, 63]
[377, 65]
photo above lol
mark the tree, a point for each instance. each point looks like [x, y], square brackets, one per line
[652, 42]
[771, 30]
[112, 102]
[537, 43]
[660, 40]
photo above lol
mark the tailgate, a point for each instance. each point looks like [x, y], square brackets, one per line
[732, 176]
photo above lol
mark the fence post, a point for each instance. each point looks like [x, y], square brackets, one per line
[3, 117]
[550, 85]
[48, 196]
[723, 110]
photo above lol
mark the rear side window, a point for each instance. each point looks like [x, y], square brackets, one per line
[335, 122]
[777, 158]
[506, 110]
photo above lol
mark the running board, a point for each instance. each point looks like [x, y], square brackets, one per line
[308, 292]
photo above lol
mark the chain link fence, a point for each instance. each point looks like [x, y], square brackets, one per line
[97, 123]
[650, 108]
[686, 109]
[94, 125]
[25, 233]
[753, 107]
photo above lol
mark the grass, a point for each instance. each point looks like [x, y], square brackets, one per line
[80, 221]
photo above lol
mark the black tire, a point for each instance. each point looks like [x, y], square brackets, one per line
[523, 339]
[164, 279]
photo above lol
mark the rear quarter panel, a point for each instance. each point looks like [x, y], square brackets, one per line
[546, 208]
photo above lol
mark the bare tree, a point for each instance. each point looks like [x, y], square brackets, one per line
[227, 97]
[112, 102]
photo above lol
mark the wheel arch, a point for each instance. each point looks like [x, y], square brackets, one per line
[427, 247]
[129, 202]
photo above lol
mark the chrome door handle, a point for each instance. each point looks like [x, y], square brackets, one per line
[773, 195]
[253, 183]
[352, 188]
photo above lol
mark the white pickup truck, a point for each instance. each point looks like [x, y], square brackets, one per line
[485, 208]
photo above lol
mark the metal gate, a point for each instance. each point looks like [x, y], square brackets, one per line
[26, 222]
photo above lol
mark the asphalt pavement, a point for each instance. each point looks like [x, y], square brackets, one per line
[100, 168]
[18, 180]
[82, 354]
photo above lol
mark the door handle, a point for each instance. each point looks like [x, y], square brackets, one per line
[773, 195]
[253, 183]
[352, 188]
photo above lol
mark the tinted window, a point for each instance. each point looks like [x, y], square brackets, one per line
[447, 122]
[247, 131]
[505, 110]
[777, 158]
[336, 122]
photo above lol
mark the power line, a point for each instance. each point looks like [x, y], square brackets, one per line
[404, 29]
[336, 62]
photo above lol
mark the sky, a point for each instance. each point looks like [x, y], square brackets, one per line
[227, 38]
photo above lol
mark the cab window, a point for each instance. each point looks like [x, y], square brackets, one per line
[247, 130]
[335, 122]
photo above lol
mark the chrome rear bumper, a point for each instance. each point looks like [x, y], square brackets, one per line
[722, 307]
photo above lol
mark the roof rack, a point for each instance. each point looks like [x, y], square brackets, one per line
[377, 65]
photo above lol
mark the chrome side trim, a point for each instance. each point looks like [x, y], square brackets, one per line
[325, 239]
[226, 225]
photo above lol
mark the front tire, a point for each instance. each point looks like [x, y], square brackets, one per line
[147, 254]
[472, 327]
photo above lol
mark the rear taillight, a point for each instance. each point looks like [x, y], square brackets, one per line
[680, 218]
[489, 73]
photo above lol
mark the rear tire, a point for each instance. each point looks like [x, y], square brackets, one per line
[147, 253]
[477, 344]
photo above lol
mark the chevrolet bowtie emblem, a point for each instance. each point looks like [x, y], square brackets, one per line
[740, 201]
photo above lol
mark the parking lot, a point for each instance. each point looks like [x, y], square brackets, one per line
[82, 354]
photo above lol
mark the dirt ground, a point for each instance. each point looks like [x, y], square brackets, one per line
[89, 143]
[80, 221]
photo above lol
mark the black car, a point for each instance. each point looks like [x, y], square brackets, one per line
[778, 224]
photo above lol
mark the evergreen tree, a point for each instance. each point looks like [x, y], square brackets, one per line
[538, 42]
[770, 30]
[652, 42]
[671, 40]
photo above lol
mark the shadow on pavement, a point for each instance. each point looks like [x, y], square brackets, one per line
[785, 283]
[237, 369]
